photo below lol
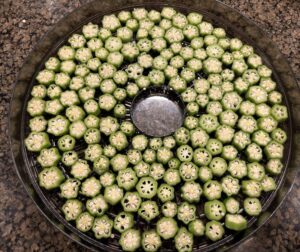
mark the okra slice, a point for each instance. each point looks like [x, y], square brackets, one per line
[113, 194]
[148, 210]
[169, 142]
[274, 150]
[131, 202]
[36, 141]
[214, 147]
[184, 240]
[164, 155]
[191, 191]
[102, 227]
[232, 205]
[107, 179]
[97, 206]
[251, 188]
[51, 178]
[199, 137]
[90, 187]
[111, 22]
[186, 212]
[202, 156]
[236, 222]
[92, 152]
[229, 152]
[174, 163]
[109, 151]
[241, 139]
[268, 184]
[134, 156]
[155, 143]
[166, 228]
[123, 221]
[140, 142]
[142, 169]
[101, 165]
[84, 222]
[254, 152]
[274, 97]
[69, 158]
[108, 125]
[256, 171]
[274, 166]
[127, 179]
[70, 188]
[184, 153]
[279, 112]
[228, 117]
[149, 156]
[77, 129]
[119, 162]
[151, 241]
[72, 209]
[261, 137]
[39, 91]
[165, 192]
[267, 123]
[225, 133]
[214, 210]
[147, 187]
[237, 168]
[208, 122]
[196, 227]
[172, 177]
[214, 230]
[205, 174]
[218, 166]
[279, 135]
[130, 240]
[212, 189]
[75, 113]
[58, 125]
[157, 171]
[230, 185]
[127, 128]
[118, 140]
[169, 209]
[49, 157]
[252, 206]
[91, 107]
[188, 171]
[38, 124]
[107, 102]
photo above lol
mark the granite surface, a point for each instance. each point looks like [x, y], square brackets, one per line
[22, 23]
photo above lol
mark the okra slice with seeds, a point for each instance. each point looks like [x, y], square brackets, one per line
[131, 202]
[169, 209]
[127, 179]
[230, 185]
[142, 169]
[268, 184]
[251, 188]
[113, 194]
[191, 191]
[92, 152]
[165, 192]
[214, 210]
[84, 222]
[237, 168]
[188, 171]
[36, 141]
[172, 177]
[212, 189]
[90, 187]
[130, 240]
[107, 179]
[164, 155]
[205, 174]
[72, 208]
[97, 206]
[123, 221]
[102, 227]
[197, 227]
[69, 158]
[147, 187]
[49, 157]
[70, 188]
[151, 241]
[184, 240]
[252, 206]
[186, 212]
[148, 210]
[214, 230]
[232, 205]
[101, 165]
[157, 171]
[166, 228]
[51, 178]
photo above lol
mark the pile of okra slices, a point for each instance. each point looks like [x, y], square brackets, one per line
[204, 180]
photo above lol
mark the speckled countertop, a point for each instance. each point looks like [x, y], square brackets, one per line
[22, 23]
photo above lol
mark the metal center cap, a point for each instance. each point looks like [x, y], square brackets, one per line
[157, 112]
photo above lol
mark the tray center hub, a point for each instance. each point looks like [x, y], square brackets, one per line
[157, 112]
